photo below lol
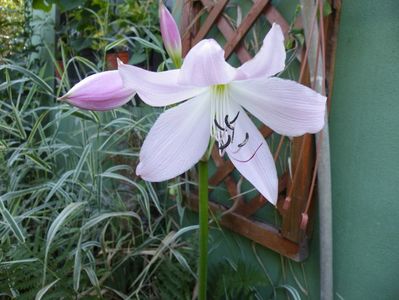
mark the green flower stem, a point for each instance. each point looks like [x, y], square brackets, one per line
[203, 230]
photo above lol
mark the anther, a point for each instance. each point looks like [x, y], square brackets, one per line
[228, 124]
[235, 118]
[221, 146]
[218, 125]
[245, 141]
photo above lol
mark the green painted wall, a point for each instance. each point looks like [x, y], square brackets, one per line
[365, 151]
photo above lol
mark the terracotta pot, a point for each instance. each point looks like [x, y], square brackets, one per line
[112, 63]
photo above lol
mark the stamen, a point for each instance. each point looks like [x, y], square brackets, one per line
[221, 146]
[228, 124]
[235, 118]
[242, 144]
[218, 125]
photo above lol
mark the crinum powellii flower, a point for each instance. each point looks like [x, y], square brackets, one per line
[215, 96]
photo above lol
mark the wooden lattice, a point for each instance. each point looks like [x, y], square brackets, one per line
[295, 190]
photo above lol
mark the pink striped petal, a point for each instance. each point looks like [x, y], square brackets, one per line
[287, 107]
[101, 91]
[270, 59]
[177, 140]
[205, 65]
[253, 159]
[157, 88]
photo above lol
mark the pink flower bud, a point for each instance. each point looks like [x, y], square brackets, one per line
[170, 35]
[100, 92]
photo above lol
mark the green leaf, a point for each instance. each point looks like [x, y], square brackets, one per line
[41, 5]
[81, 161]
[291, 290]
[55, 226]
[36, 79]
[36, 126]
[66, 5]
[87, 115]
[12, 223]
[20, 261]
[94, 221]
[58, 185]
[38, 161]
[44, 290]
[77, 266]
[148, 44]
[327, 9]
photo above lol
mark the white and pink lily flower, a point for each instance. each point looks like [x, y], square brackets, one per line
[100, 92]
[216, 99]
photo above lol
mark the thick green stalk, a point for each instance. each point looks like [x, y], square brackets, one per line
[203, 230]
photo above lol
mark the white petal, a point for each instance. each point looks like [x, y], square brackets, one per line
[205, 65]
[157, 88]
[270, 59]
[177, 140]
[287, 107]
[253, 160]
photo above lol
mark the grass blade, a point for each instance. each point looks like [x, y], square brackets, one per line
[15, 228]
[55, 226]
[77, 266]
[36, 79]
[94, 221]
[44, 290]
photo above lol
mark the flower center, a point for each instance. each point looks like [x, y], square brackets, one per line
[224, 119]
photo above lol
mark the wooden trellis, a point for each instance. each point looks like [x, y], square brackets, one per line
[296, 190]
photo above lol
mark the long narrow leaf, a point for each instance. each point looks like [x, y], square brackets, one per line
[58, 185]
[77, 266]
[94, 221]
[55, 226]
[40, 82]
[12, 223]
[44, 290]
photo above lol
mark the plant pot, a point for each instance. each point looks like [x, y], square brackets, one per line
[112, 59]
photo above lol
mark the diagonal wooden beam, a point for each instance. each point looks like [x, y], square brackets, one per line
[273, 16]
[261, 233]
[245, 26]
[214, 14]
[247, 209]
[228, 31]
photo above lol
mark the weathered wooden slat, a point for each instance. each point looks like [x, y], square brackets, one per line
[245, 26]
[214, 14]
[274, 16]
[293, 215]
[261, 233]
[188, 29]
[227, 30]
[249, 208]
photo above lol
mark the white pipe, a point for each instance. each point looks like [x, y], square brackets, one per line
[324, 168]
